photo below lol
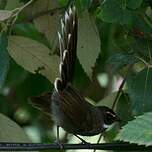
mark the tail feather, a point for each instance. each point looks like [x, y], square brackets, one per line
[67, 43]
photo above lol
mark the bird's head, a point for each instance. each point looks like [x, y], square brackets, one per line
[109, 115]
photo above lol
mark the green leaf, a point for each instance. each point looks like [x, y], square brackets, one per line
[123, 109]
[139, 91]
[11, 132]
[29, 30]
[140, 24]
[133, 4]
[48, 23]
[4, 14]
[4, 59]
[2, 4]
[63, 3]
[138, 131]
[82, 5]
[113, 11]
[119, 60]
[88, 43]
[108, 100]
[33, 56]
[13, 4]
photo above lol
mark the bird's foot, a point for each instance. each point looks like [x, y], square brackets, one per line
[82, 140]
[85, 142]
[58, 142]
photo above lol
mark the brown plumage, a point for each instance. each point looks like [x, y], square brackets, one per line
[68, 107]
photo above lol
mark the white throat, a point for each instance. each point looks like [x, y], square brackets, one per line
[105, 126]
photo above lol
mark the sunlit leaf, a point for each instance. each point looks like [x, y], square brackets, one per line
[4, 14]
[11, 132]
[33, 56]
[88, 43]
[138, 131]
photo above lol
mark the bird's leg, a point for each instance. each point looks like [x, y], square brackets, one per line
[83, 141]
[58, 137]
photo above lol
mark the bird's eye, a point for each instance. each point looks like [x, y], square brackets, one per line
[109, 118]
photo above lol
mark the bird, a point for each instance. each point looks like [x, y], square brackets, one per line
[69, 109]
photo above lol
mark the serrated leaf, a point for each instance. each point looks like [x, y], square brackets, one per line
[4, 14]
[11, 132]
[33, 56]
[139, 91]
[48, 23]
[4, 59]
[138, 131]
[88, 43]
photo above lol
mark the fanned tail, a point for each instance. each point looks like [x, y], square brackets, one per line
[68, 43]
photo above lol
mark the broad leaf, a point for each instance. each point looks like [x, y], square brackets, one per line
[4, 14]
[4, 59]
[11, 132]
[33, 56]
[139, 91]
[108, 100]
[113, 11]
[138, 131]
[88, 43]
[119, 60]
[47, 23]
[29, 30]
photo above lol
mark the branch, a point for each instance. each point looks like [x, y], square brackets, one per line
[6, 146]
[121, 86]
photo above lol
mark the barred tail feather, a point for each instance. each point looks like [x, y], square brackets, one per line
[67, 45]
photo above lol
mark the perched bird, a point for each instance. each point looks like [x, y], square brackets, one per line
[69, 108]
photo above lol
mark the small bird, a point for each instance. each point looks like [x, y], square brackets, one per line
[69, 108]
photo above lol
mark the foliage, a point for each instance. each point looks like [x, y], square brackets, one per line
[114, 40]
[142, 134]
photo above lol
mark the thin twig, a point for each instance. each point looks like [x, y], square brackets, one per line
[98, 141]
[121, 87]
[6, 146]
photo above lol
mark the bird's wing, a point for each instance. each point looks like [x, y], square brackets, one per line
[42, 102]
[74, 106]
